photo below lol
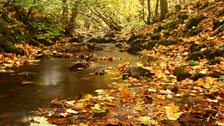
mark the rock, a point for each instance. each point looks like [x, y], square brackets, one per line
[102, 72]
[211, 54]
[195, 47]
[217, 23]
[111, 34]
[167, 42]
[196, 56]
[194, 21]
[75, 39]
[55, 103]
[158, 29]
[78, 66]
[198, 76]
[182, 16]
[134, 37]
[194, 31]
[138, 72]
[221, 28]
[172, 24]
[155, 36]
[134, 49]
[149, 44]
[92, 47]
[181, 74]
[215, 74]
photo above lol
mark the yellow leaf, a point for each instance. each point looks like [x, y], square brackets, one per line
[172, 112]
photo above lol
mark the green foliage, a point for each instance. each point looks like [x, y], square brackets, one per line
[192, 63]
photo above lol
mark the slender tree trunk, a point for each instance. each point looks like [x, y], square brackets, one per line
[157, 8]
[149, 11]
[69, 28]
[163, 9]
[64, 15]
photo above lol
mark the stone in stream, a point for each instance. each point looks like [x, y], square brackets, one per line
[137, 72]
[78, 66]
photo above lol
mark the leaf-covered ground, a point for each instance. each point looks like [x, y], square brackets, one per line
[187, 88]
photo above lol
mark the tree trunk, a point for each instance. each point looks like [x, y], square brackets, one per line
[149, 11]
[157, 8]
[163, 9]
[64, 15]
[69, 28]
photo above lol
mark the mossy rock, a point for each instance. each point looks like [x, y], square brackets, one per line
[221, 28]
[149, 44]
[198, 76]
[155, 36]
[204, 5]
[134, 37]
[10, 48]
[196, 47]
[213, 62]
[167, 42]
[134, 49]
[166, 33]
[194, 21]
[192, 63]
[182, 16]
[215, 74]
[158, 29]
[196, 56]
[217, 23]
[138, 72]
[172, 24]
[194, 31]
[75, 39]
[175, 33]
[138, 41]
[181, 74]
[211, 54]
[78, 66]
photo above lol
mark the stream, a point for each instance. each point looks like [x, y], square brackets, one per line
[50, 78]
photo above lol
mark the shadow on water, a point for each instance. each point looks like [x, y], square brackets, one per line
[34, 86]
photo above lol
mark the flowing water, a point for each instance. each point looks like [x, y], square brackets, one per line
[50, 79]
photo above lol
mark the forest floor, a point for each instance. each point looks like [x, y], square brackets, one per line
[184, 85]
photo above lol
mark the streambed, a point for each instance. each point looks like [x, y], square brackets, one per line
[33, 86]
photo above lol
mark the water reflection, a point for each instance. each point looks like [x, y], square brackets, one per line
[51, 76]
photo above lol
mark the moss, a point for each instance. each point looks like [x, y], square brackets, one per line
[148, 45]
[167, 42]
[158, 29]
[182, 16]
[198, 76]
[211, 54]
[194, 21]
[192, 63]
[155, 36]
[221, 28]
[218, 22]
[181, 74]
[134, 49]
[175, 32]
[196, 56]
[194, 31]
[10, 48]
[166, 33]
[172, 24]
